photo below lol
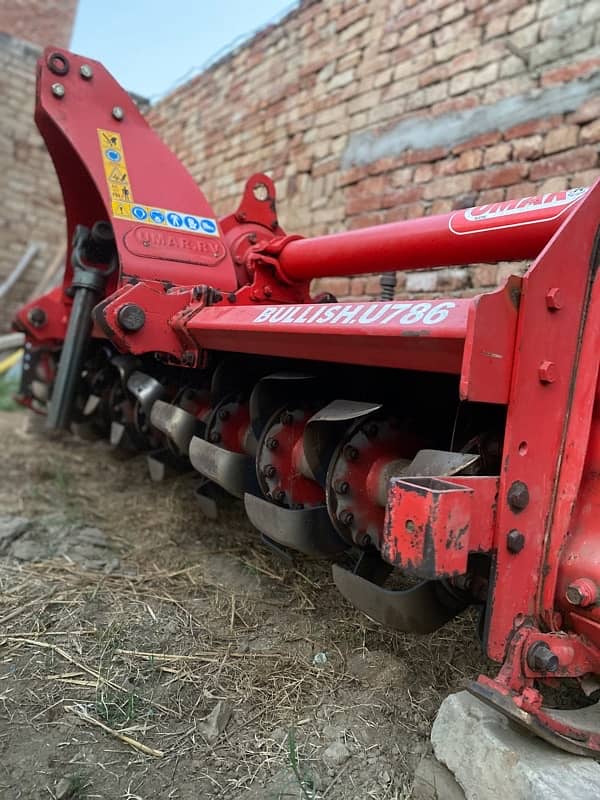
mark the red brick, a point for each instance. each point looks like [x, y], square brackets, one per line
[483, 275]
[483, 140]
[528, 147]
[424, 156]
[357, 286]
[590, 110]
[570, 72]
[563, 138]
[591, 132]
[502, 176]
[498, 154]
[469, 160]
[533, 126]
[41, 22]
[572, 161]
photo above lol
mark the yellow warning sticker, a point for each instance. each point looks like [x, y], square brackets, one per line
[122, 202]
[115, 166]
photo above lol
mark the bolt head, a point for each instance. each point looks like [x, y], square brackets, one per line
[547, 372]
[269, 471]
[350, 452]
[86, 72]
[541, 658]
[554, 300]
[58, 90]
[518, 496]
[582, 592]
[286, 418]
[341, 487]
[271, 443]
[346, 518]
[131, 317]
[214, 437]
[37, 317]
[515, 541]
[223, 414]
[118, 113]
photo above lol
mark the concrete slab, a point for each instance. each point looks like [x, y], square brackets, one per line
[493, 760]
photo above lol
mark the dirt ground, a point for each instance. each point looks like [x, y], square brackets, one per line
[217, 669]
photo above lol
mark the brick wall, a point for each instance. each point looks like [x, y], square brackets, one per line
[368, 112]
[31, 207]
[40, 22]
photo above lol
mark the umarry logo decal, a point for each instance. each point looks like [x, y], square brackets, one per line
[509, 213]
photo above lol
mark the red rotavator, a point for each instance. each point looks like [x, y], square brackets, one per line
[455, 442]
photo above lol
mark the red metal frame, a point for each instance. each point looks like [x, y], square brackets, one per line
[531, 346]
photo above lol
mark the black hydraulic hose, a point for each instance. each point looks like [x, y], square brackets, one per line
[87, 285]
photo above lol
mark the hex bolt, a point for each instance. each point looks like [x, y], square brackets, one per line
[271, 443]
[554, 300]
[547, 372]
[371, 431]
[86, 72]
[223, 414]
[341, 487]
[515, 541]
[541, 658]
[346, 518]
[58, 90]
[518, 496]
[269, 471]
[365, 540]
[214, 437]
[350, 452]
[286, 418]
[37, 316]
[279, 495]
[582, 592]
[131, 317]
[118, 113]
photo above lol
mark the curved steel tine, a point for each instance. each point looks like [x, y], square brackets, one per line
[230, 470]
[146, 389]
[437, 463]
[322, 432]
[307, 530]
[414, 610]
[273, 392]
[91, 405]
[177, 424]
[125, 365]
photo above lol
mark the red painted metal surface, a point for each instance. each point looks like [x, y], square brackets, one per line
[426, 532]
[432, 524]
[546, 424]
[506, 231]
[422, 336]
[240, 285]
[78, 127]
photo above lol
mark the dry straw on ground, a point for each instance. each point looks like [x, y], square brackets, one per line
[108, 675]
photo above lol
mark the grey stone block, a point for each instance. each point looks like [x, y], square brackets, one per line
[434, 781]
[492, 759]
